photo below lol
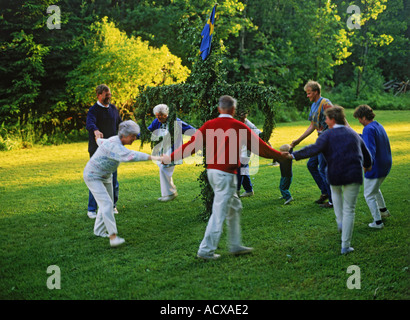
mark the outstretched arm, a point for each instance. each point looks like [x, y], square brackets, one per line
[313, 149]
[367, 157]
[261, 148]
[307, 133]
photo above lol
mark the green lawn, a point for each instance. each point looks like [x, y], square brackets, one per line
[297, 247]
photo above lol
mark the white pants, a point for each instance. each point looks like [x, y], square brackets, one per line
[103, 194]
[344, 203]
[165, 179]
[374, 197]
[226, 205]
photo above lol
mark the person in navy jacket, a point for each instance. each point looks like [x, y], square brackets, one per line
[377, 141]
[102, 121]
[346, 155]
[160, 128]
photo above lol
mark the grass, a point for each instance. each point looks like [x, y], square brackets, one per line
[297, 247]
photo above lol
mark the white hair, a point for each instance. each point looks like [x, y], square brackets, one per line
[227, 103]
[161, 108]
[127, 128]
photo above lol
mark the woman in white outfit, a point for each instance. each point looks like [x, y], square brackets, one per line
[98, 176]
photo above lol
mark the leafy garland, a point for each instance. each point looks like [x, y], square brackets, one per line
[200, 95]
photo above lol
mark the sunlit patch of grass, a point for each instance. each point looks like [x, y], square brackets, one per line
[43, 222]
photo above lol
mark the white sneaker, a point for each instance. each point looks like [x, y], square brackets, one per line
[376, 226]
[289, 200]
[385, 214]
[91, 214]
[117, 241]
[241, 250]
[168, 198]
[115, 210]
[103, 235]
[247, 194]
[212, 257]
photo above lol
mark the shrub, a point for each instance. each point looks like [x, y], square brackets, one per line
[377, 100]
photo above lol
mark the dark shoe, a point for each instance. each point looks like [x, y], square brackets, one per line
[326, 205]
[322, 199]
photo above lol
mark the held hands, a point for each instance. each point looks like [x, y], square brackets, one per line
[98, 134]
[367, 169]
[166, 159]
[155, 158]
[287, 155]
[294, 143]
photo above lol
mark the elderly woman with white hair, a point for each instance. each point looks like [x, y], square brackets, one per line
[98, 176]
[160, 128]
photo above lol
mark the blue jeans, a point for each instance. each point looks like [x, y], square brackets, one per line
[284, 186]
[92, 204]
[317, 166]
[244, 180]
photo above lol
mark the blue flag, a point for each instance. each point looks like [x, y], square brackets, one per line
[206, 34]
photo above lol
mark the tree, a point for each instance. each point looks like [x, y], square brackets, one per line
[394, 60]
[124, 64]
[288, 43]
[35, 61]
[366, 38]
[201, 93]
[371, 39]
[21, 59]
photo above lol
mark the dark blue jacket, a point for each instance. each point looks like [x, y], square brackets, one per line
[376, 140]
[345, 152]
[103, 119]
[156, 124]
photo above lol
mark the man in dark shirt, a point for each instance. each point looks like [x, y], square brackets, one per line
[103, 119]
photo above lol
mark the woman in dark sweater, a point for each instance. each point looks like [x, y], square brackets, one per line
[346, 155]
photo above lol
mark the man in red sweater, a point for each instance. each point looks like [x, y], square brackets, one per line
[223, 138]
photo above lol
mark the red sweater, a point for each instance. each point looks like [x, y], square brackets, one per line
[222, 138]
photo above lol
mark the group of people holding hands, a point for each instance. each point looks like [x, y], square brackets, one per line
[336, 162]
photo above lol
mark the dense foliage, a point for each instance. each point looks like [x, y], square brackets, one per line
[124, 64]
[48, 75]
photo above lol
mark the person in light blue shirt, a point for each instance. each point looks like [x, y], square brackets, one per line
[377, 141]
[317, 165]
